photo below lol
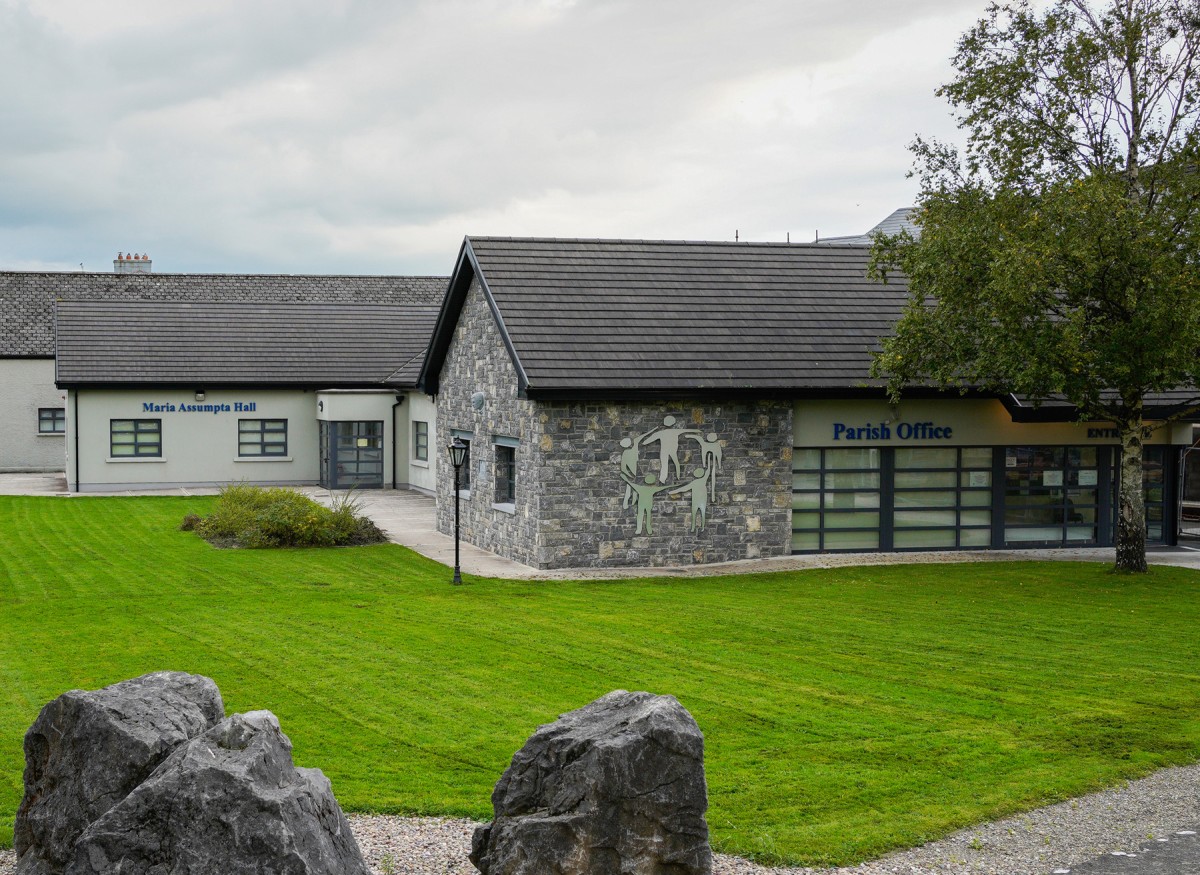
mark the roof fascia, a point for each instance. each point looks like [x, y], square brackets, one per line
[788, 393]
[443, 330]
[465, 269]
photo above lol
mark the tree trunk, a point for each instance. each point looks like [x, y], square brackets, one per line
[1131, 514]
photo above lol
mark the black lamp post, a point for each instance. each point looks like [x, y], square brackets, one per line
[458, 455]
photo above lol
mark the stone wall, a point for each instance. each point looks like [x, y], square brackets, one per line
[477, 362]
[725, 493]
[731, 462]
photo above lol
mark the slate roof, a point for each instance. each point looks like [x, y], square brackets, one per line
[207, 344]
[622, 317]
[27, 298]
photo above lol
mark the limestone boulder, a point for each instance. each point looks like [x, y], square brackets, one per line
[229, 801]
[614, 788]
[87, 750]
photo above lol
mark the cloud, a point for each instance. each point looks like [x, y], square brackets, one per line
[369, 137]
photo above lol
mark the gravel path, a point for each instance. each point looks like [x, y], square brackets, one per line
[1035, 843]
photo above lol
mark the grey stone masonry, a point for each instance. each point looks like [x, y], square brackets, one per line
[478, 364]
[609, 484]
[664, 483]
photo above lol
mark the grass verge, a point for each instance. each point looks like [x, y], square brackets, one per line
[846, 712]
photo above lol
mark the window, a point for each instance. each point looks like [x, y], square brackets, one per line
[420, 440]
[262, 437]
[1052, 495]
[135, 438]
[52, 420]
[506, 474]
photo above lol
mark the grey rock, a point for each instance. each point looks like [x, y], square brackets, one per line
[614, 788]
[87, 750]
[229, 802]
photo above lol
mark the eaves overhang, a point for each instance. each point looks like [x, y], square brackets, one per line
[466, 268]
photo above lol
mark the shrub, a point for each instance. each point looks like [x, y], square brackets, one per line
[257, 517]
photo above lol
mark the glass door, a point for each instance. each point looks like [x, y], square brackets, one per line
[1051, 496]
[352, 455]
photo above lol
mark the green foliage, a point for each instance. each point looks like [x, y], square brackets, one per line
[845, 711]
[1059, 255]
[255, 517]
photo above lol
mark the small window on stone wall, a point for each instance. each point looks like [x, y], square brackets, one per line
[506, 474]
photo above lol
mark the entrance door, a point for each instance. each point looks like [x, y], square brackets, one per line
[1055, 496]
[351, 455]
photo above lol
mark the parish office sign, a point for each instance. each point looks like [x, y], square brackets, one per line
[236, 407]
[904, 431]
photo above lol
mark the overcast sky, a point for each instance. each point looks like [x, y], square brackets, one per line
[350, 136]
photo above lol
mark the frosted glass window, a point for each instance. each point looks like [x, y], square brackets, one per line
[927, 479]
[851, 500]
[852, 480]
[909, 518]
[975, 518]
[975, 538]
[806, 480]
[806, 460]
[857, 458]
[924, 539]
[926, 457]
[806, 520]
[977, 457]
[975, 479]
[806, 541]
[925, 499]
[976, 498]
[1044, 533]
[865, 540]
[806, 500]
[852, 520]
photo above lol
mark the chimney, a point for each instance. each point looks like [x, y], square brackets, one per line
[131, 263]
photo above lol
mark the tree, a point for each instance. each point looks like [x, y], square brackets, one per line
[1058, 254]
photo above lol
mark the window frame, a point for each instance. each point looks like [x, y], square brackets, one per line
[505, 474]
[137, 430]
[261, 434]
[58, 417]
[420, 438]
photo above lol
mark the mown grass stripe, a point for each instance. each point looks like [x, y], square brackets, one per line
[846, 711]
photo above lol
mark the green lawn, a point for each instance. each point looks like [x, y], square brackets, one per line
[846, 712]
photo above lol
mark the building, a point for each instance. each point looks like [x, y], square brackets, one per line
[164, 394]
[32, 432]
[666, 403]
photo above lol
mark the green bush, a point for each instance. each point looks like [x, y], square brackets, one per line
[257, 517]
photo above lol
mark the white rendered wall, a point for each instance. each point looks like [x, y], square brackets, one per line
[366, 405]
[422, 474]
[25, 386]
[198, 448]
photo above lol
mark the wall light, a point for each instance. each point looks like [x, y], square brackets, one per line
[199, 394]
